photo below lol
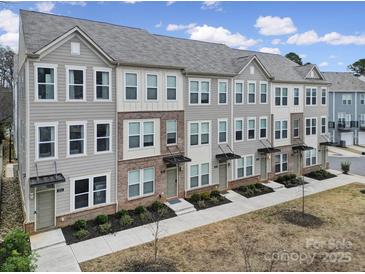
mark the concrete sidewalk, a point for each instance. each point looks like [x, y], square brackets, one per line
[93, 248]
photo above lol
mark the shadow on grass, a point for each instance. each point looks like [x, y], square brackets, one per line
[149, 265]
[296, 217]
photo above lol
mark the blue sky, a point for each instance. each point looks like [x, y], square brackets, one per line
[330, 34]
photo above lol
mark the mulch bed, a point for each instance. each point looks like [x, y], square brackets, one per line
[297, 217]
[290, 180]
[320, 175]
[92, 226]
[253, 190]
[209, 203]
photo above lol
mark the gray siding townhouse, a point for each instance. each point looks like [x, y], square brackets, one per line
[346, 108]
[113, 117]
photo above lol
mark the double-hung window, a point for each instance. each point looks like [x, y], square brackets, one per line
[199, 175]
[76, 138]
[222, 92]
[296, 96]
[171, 132]
[281, 96]
[251, 128]
[199, 91]
[141, 134]
[310, 157]
[263, 93]
[102, 84]
[151, 93]
[141, 182]
[239, 129]
[199, 133]
[323, 125]
[251, 92]
[76, 83]
[102, 136]
[245, 166]
[281, 129]
[171, 87]
[296, 128]
[222, 131]
[46, 82]
[281, 163]
[81, 189]
[310, 126]
[263, 127]
[131, 86]
[46, 141]
[239, 92]
[310, 96]
[323, 96]
[346, 99]
[362, 99]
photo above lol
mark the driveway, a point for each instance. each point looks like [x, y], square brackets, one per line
[357, 164]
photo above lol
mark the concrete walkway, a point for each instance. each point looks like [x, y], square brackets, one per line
[103, 245]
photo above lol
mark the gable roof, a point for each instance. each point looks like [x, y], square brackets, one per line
[344, 81]
[134, 46]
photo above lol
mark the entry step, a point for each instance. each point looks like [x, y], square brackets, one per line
[46, 239]
[180, 206]
[274, 185]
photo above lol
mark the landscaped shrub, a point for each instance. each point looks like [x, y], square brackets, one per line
[144, 217]
[156, 206]
[81, 234]
[215, 193]
[195, 197]
[80, 224]
[205, 196]
[18, 264]
[201, 204]
[101, 219]
[121, 213]
[126, 220]
[345, 167]
[214, 200]
[140, 209]
[105, 228]
[320, 174]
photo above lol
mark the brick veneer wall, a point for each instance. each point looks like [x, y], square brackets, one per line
[243, 182]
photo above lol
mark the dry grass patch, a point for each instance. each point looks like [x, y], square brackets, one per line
[254, 242]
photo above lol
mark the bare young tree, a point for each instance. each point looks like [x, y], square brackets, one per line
[156, 229]
[6, 67]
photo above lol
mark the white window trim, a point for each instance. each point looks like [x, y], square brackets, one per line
[96, 69]
[91, 192]
[75, 123]
[267, 92]
[281, 97]
[267, 127]
[311, 96]
[311, 125]
[227, 130]
[281, 163]
[46, 124]
[96, 122]
[146, 87]
[305, 158]
[199, 80]
[141, 182]
[324, 89]
[44, 65]
[281, 129]
[125, 86]
[244, 157]
[248, 92]
[346, 99]
[243, 129]
[199, 176]
[223, 81]
[84, 95]
[243, 91]
[172, 144]
[362, 98]
[326, 129]
[248, 119]
[166, 86]
[199, 132]
[141, 134]
[296, 137]
[295, 96]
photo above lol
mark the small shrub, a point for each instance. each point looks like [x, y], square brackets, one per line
[101, 219]
[105, 228]
[121, 213]
[156, 206]
[195, 197]
[140, 209]
[81, 234]
[215, 193]
[201, 204]
[18, 264]
[79, 224]
[126, 220]
[243, 188]
[214, 200]
[345, 167]
[144, 217]
[205, 196]
[15, 242]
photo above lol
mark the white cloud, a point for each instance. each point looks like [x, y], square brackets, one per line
[302, 55]
[306, 38]
[277, 41]
[340, 63]
[332, 56]
[158, 25]
[212, 5]
[323, 64]
[274, 25]
[9, 24]
[270, 50]
[130, 2]
[169, 3]
[46, 7]
[75, 3]
[175, 27]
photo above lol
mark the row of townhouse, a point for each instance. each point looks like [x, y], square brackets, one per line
[112, 117]
[346, 108]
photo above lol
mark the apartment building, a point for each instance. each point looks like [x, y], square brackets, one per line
[113, 117]
[346, 108]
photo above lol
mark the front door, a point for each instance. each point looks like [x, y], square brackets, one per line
[171, 182]
[263, 168]
[223, 176]
[45, 209]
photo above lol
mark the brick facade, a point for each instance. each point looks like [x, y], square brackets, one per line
[243, 182]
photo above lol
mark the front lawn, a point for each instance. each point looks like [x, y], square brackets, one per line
[269, 239]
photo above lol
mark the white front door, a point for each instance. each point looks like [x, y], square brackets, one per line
[348, 137]
[361, 138]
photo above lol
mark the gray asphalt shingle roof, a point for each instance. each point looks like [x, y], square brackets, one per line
[344, 81]
[137, 46]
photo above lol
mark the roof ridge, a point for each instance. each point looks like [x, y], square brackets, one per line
[187, 39]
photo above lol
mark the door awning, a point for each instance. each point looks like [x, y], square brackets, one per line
[227, 156]
[268, 150]
[302, 147]
[176, 159]
[46, 180]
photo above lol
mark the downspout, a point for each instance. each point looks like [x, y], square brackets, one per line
[333, 116]
[356, 119]
[232, 126]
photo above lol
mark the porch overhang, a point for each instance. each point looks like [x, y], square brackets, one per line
[176, 159]
[301, 148]
[227, 156]
[326, 143]
[268, 150]
[46, 180]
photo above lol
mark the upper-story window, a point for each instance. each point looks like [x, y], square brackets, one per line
[76, 138]
[362, 99]
[102, 136]
[239, 129]
[296, 128]
[346, 99]
[75, 83]
[251, 128]
[296, 97]
[141, 134]
[102, 84]
[251, 92]
[222, 131]
[323, 125]
[222, 91]
[239, 92]
[171, 87]
[151, 94]
[324, 96]
[171, 132]
[310, 96]
[199, 133]
[46, 85]
[310, 126]
[141, 182]
[131, 86]
[199, 92]
[281, 129]
[46, 136]
[263, 127]
[75, 48]
[281, 96]
[263, 93]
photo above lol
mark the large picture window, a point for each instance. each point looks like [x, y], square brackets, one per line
[199, 175]
[245, 166]
[310, 157]
[281, 163]
[141, 182]
[141, 134]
